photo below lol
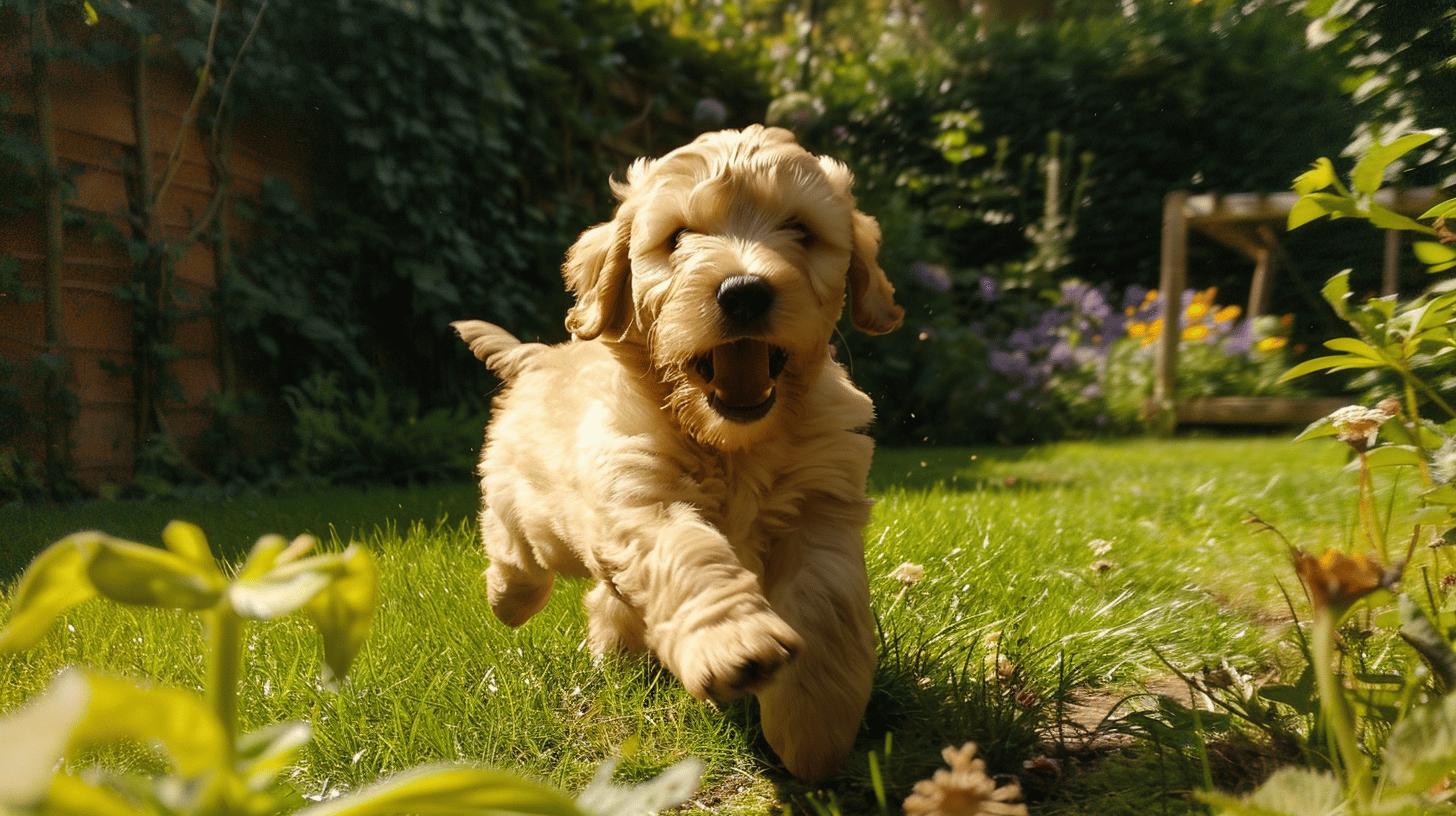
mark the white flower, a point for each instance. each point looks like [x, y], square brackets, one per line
[1358, 425]
[908, 573]
[1100, 546]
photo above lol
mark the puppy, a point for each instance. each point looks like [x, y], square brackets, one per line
[694, 448]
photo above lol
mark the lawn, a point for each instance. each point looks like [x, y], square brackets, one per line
[1011, 623]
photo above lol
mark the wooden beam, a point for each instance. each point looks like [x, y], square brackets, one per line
[1173, 274]
[1256, 410]
[1260, 286]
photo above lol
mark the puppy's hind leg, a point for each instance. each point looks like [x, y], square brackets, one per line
[517, 586]
[612, 624]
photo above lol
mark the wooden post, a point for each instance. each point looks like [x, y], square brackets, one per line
[1172, 279]
[57, 413]
[1390, 271]
[1259, 287]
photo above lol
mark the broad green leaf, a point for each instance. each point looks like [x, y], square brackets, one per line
[1432, 253]
[450, 791]
[1431, 515]
[74, 796]
[1319, 428]
[33, 739]
[1421, 750]
[1443, 494]
[668, 789]
[343, 611]
[1350, 345]
[1336, 292]
[177, 722]
[1389, 219]
[187, 540]
[1441, 210]
[1289, 792]
[54, 582]
[1303, 212]
[1369, 172]
[1334, 362]
[1389, 456]
[1423, 636]
[1338, 206]
[262, 556]
[1319, 176]
[268, 752]
[271, 597]
[136, 574]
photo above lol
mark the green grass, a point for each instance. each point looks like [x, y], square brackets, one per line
[1003, 536]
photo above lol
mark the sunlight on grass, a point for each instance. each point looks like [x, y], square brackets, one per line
[1009, 619]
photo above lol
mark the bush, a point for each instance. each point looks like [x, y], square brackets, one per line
[459, 148]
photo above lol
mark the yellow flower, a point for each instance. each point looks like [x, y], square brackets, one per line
[1130, 311]
[1197, 332]
[1137, 328]
[1227, 314]
[1151, 296]
[1271, 344]
[1286, 321]
[1206, 296]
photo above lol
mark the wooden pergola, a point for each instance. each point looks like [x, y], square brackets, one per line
[1250, 224]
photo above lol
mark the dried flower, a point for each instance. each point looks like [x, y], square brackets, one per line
[908, 573]
[1389, 405]
[1102, 565]
[1448, 581]
[1100, 546]
[1336, 580]
[964, 790]
[1358, 425]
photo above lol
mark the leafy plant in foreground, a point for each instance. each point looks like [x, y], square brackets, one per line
[212, 769]
[1384, 724]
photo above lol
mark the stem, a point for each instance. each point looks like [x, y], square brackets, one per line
[204, 81]
[1412, 379]
[1413, 409]
[1336, 708]
[1366, 508]
[224, 668]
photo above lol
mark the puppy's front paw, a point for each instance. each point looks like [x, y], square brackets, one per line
[727, 659]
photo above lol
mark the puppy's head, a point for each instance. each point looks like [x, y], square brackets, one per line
[728, 261]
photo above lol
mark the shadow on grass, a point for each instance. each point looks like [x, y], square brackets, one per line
[233, 523]
[960, 469]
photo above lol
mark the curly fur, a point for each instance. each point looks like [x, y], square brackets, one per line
[729, 548]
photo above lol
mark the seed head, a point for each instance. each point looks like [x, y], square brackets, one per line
[964, 790]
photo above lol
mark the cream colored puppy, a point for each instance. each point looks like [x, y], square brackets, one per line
[694, 448]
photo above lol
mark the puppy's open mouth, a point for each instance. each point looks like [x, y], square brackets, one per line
[740, 378]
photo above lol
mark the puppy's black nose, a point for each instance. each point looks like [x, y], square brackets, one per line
[745, 299]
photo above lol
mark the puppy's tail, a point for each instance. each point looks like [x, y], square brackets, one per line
[501, 352]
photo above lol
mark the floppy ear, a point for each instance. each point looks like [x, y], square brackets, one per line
[597, 271]
[872, 305]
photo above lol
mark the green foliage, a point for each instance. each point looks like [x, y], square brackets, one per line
[458, 150]
[1171, 96]
[1378, 716]
[377, 435]
[212, 769]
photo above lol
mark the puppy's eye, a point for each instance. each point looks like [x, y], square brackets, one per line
[801, 232]
[675, 237]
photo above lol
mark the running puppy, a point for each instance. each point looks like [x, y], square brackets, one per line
[694, 448]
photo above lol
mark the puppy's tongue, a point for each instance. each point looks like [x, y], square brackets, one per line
[740, 373]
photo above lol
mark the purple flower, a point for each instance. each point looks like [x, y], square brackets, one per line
[1133, 296]
[931, 276]
[1091, 392]
[1240, 339]
[1008, 363]
[989, 289]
